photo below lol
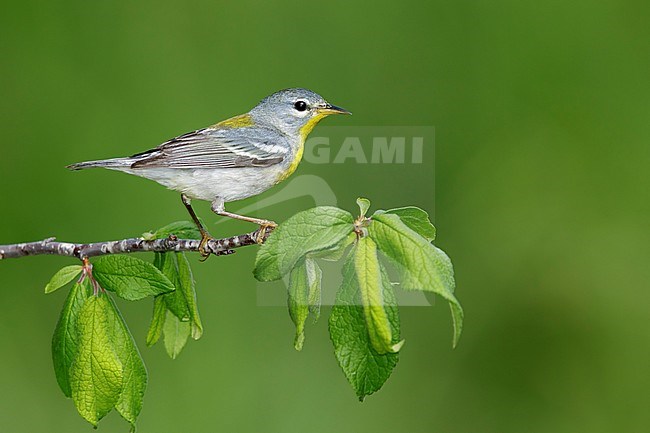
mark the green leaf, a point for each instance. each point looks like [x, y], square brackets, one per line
[133, 369]
[364, 368]
[457, 317]
[158, 260]
[176, 334]
[63, 277]
[65, 339]
[96, 377]
[298, 301]
[157, 320]
[187, 288]
[304, 296]
[129, 277]
[422, 266]
[181, 302]
[364, 205]
[335, 253]
[314, 279]
[416, 219]
[180, 229]
[368, 278]
[312, 230]
[175, 301]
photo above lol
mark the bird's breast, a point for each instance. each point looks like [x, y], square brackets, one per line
[296, 157]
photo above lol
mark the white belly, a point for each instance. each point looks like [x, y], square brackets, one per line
[230, 184]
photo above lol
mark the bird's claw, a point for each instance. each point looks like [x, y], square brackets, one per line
[261, 233]
[205, 238]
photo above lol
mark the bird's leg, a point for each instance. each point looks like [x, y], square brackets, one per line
[264, 224]
[205, 236]
[219, 208]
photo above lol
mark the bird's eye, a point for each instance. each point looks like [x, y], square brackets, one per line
[300, 105]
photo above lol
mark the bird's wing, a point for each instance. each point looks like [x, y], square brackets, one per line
[217, 148]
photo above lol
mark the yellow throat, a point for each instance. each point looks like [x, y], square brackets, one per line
[304, 132]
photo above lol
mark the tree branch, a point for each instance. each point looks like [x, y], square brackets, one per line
[217, 247]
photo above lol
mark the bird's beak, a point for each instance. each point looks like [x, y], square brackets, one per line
[332, 109]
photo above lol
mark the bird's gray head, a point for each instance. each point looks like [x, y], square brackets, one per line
[293, 111]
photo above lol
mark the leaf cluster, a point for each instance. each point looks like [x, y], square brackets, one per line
[364, 324]
[96, 360]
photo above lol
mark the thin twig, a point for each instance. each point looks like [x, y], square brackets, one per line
[217, 247]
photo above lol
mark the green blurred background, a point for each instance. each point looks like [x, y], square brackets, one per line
[541, 112]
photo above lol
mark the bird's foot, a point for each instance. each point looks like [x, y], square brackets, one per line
[205, 238]
[264, 227]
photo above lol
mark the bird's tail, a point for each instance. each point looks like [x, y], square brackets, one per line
[115, 163]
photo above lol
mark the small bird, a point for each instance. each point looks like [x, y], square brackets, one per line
[234, 159]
